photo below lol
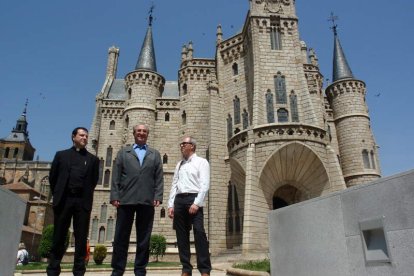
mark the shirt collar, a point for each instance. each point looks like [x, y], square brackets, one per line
[143, 147]
[190, 158]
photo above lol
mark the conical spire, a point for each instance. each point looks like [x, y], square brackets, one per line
[21, 123]
[341, 69]
[146, 58]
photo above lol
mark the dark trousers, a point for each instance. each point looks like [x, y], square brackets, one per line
[143, 226]
[182, 224]
[70, 208]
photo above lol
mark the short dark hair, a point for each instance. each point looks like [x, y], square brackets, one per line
[75, 131]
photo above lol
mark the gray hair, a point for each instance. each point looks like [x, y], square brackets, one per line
[136, 126]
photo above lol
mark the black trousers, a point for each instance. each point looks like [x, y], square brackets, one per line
[70, 208]
[143, 226]
[182, 224]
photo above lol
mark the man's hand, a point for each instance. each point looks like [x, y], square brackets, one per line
[193, 209]
[171, 212]
[115, 203]
[156, 203]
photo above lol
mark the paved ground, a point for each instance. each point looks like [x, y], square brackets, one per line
[218, 270]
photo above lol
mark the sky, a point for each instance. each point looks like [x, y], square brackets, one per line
[54, 53]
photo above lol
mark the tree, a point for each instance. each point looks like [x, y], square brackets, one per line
[99, 253]
[46, 241]
[158, 245]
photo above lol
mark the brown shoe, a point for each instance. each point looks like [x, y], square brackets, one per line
[205, 274]
[185, 274]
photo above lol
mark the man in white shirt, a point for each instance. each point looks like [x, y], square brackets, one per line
[22, 255]
[185, 206]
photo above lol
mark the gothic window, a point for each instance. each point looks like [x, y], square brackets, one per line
[235, 68]
[112, 125]
[165, 159]
[162, 213]
[101, 167]
[233, 210]
[44, 186]
[129, 93]
[104, 209]
[245, 119]
[208, 154]
[94, 230]
[110, 229]
[282, 115]
[294, 107]
[280, 86]
[365, 158]
[329, 133]
[236, 105]
[275, 38]
[184, 117]
[16, 151]
[108, 161]
[101, 238]
[184, 88]
[6, 153]
[373, 159]
[127, 122]
[167, 117]
[229, 126]
[269, 107]
[107, 178]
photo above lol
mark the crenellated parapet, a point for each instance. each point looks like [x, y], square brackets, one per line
[232, 49]
[112, 109]
[147, 78]
[279, 132]
[196, 69]
[286, 25]
[313, 77]
[168, 104]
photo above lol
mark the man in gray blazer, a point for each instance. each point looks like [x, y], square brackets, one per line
[137, 187]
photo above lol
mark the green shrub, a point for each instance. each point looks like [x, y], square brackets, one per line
[158, 245]
[46, 240]
[258, 265]
[99, 254]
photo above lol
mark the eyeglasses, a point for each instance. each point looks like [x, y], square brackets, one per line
[182, 144]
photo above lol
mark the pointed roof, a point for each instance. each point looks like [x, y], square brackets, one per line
[146, 58]
[341, 69]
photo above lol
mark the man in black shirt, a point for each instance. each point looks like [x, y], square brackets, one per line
[73, 177]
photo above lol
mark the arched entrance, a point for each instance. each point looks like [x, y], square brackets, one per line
[285, 196]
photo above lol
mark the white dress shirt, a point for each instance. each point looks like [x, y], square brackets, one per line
[191, 176]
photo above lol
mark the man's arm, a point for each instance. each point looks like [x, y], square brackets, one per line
[54, 172]
[158, 180]
[173, 191]
[116, 179]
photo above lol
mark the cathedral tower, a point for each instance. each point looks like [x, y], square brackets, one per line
[143, 86]
[357, 148]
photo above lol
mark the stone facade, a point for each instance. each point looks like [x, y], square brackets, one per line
[259, 113]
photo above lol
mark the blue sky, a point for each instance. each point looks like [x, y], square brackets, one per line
[54, 53]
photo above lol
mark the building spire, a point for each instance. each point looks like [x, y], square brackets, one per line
[341, 69]
[146, 59]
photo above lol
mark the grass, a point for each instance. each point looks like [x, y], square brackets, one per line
[260, 265]
[42, 266]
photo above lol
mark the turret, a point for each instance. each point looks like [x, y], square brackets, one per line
[143, 86]
[346, 95]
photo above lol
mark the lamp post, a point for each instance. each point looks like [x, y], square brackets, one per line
[35, 224]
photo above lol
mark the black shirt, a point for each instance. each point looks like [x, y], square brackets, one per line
[77, 173]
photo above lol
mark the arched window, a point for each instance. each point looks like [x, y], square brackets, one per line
[184, 89]
[365, 158]
[282, 115]
[165, 159]
[44, 186]
[127, 121]
[107, 178]
[233, 210]
[245, 119]
[16, 151]
[112, 125]
[101, 168]
[373, 160]
[280, 85]
[294, 107]
[110, 229]
[162, 213]
[6, 153]
[229, 126]
[167, 117]
[275, 38]
[129, 93]
[269, 107]
[184, 117]
[108, 161]
[235, 68]
[236, 105]
[94, 230]
[104, 209]
[101, 238]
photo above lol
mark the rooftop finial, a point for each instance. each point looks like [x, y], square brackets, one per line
[150, 13]
[333, 18]
[25, 107]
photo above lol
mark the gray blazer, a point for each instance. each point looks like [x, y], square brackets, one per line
[135, 184]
